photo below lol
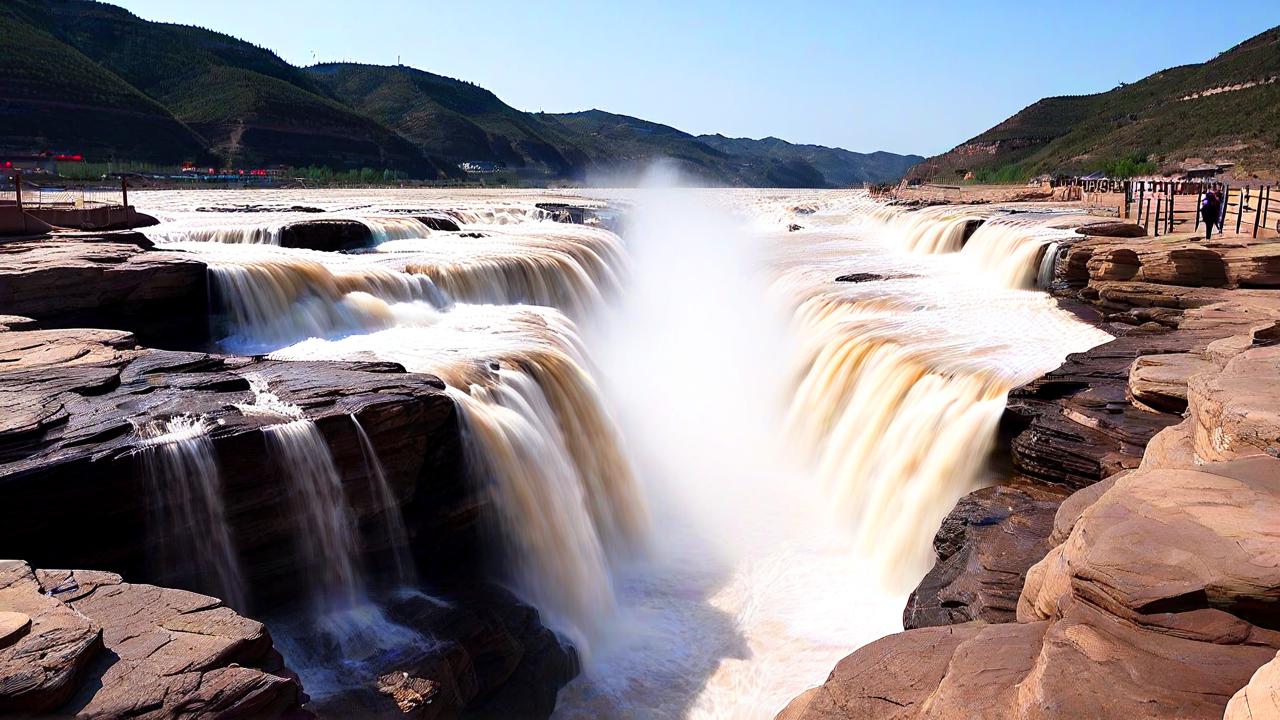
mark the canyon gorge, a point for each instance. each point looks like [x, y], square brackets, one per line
[664, 452]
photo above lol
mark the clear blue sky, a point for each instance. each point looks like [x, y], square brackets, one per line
[891, 75]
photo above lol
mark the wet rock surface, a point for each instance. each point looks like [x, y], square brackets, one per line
[71, 419]
[329, 235]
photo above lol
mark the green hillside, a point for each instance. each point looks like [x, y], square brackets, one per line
[250, 106]
[1164, 118]
[447, 118]
[55, 99]
[89, 77]
[460, 122]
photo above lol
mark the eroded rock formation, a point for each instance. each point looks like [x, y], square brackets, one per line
[1158, 593]
[71, 420]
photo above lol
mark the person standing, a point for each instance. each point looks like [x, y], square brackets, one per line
[1210, 210]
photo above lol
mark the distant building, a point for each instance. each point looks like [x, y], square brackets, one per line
[479, 167]
[1205, 171]
[43, 162]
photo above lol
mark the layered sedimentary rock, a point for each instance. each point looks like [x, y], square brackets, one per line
[76, 399]
[1158, 596]
[984, 548]
[113, 281]
[87, 644]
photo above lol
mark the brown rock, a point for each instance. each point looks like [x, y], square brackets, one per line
[890, 678]
[1171, 540]
[1159, 382]
[82, 283]
[41, 668]
[1236, 413]
[1260, 699]
[329, 235]
[1113, 230]
[984, 548]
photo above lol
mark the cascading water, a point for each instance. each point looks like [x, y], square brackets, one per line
[190, 537]
[388, 509]
[565, 499]
[792, 505]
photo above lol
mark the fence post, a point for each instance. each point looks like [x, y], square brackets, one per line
[1199, 200]
[1240, 208]
[124, 198]
[17, 191]
[1257, 213]
[1159, 202]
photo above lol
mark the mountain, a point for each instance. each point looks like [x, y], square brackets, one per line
[459, 121]
[1223, 110]
[840, 167]
[88, 77]
[444, 117]
[53, 97]
[244, 103]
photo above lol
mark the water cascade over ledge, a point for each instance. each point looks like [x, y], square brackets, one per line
[190, 536]
[791, 441]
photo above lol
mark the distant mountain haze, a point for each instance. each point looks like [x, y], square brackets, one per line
[92, 78]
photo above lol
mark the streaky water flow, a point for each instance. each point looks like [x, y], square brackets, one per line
[191, 541]
[387, 510]
[327, 534]
[799, 438]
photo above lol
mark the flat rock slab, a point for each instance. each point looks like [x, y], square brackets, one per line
[1160, 381]
[100, 647]
[105, 282]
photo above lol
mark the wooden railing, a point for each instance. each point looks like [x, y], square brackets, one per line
[1174, 206]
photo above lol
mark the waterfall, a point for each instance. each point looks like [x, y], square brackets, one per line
[388, 509]
[326, 539]
[935, 230]
[1009, 252]
[1048, 266]
[387, 229]
[277, 298]
[901, 384]
[229, 234]
[566, 505]
[190, 539]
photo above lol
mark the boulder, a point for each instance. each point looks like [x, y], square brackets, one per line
[330, 235]
[442, 223]
[984, 548]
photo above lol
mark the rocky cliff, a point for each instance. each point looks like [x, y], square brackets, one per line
[1130, 570]
[77, 494]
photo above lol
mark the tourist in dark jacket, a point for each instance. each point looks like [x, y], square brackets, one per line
[1210, 209]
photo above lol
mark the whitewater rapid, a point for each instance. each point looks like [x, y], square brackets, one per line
[718, 469]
